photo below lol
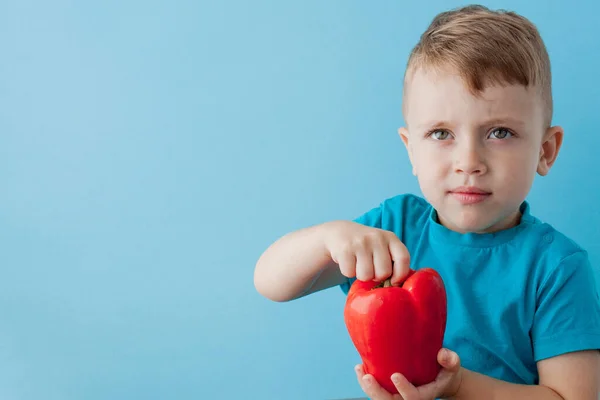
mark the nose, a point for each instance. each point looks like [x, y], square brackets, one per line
[469, 159]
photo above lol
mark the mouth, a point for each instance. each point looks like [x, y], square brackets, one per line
[469, 194]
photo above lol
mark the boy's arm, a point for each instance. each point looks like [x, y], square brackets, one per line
[297, 264]
[301, 262]
[571, 376]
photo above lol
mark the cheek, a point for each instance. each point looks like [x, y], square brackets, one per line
[519, 172]
[431, 169]
[431, 164]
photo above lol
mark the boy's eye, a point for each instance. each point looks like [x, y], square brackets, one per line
[440, 135]
[500, 133]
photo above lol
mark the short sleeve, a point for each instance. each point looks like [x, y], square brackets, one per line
[371, 218]
[567, 316]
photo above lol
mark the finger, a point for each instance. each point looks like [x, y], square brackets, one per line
[360, 372]
[382, 262]
[449, 360]
[433, 390]
[360, 375]
[370, 386]
[405, 388]
[401, 259]
[364, 265]
[430, 390]
[374, 389]
[347, 263]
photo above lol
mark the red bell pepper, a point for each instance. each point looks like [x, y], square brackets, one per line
[398, 328]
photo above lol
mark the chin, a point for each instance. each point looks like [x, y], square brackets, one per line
[472, 223]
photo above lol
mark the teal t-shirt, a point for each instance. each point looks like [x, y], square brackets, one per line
[514, 297]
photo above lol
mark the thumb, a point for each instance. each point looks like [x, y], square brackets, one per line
[449, 360]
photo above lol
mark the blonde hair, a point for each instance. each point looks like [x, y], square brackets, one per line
[486, 48]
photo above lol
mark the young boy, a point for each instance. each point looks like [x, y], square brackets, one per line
[523, 310]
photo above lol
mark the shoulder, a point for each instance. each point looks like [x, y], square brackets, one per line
[395, 212]
[567, 305]
[561, 265]
[553, 246]
[405, 202]
[406, 208]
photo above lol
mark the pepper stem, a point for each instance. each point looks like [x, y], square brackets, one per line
[386, 283]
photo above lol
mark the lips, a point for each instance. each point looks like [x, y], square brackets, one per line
[469, 194]
[469, 190]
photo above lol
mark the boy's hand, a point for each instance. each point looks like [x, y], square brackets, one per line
[368, 253]
[445, 385]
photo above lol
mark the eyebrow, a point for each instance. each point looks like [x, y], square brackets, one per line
[491, 122]
[433, 124]
[505, 121]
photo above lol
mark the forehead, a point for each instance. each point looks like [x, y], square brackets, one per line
[443, 95]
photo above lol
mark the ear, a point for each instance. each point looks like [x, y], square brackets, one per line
[403, 132]
[549, 150]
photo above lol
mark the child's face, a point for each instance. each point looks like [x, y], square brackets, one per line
[475, 157]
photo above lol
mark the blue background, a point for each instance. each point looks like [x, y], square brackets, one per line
[150, 151]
